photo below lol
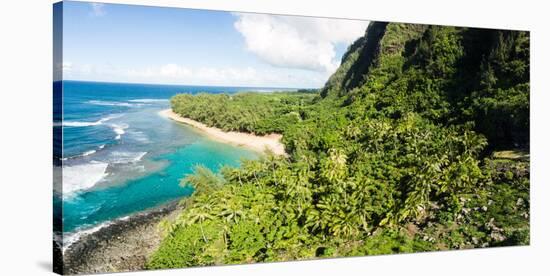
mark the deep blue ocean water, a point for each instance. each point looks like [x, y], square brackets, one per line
[118, 156]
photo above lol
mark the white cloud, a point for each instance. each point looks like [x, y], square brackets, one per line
[174, 73]
[174, 70]
[98, 9]
[66, 66]
[180, 74]
[298, 42]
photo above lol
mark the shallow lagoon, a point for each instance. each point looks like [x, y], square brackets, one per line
[120, 157]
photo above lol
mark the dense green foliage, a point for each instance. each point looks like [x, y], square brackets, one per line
[249, 112]
[398, 154]
[448, 75]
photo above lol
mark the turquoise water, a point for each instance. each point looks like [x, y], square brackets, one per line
[155, 188]
[119, 156]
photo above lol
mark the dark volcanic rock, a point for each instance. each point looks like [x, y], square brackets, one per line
[122, 246]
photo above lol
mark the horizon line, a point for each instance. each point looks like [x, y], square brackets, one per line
[173, 84]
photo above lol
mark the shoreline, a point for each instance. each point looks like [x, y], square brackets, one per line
[126, 243]
[270, 142]
[123, 245]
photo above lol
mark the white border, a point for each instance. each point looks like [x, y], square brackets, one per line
[25, 64]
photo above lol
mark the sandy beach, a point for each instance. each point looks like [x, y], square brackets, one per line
[126, 244]
[271, 142]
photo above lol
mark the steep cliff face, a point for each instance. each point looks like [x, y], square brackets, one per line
[382, 40]
[451, 75]
[356, 61]
[392, 158]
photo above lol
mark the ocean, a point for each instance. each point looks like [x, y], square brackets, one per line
[119, 157]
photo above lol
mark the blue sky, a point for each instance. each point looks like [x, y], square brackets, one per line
[127, 43]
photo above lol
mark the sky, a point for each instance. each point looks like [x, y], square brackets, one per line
[140, 44]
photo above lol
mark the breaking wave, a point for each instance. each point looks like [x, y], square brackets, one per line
[82, 177]
[86, 124]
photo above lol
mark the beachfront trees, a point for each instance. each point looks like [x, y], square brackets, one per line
[396, 154]
[259, 113]
[203, 180]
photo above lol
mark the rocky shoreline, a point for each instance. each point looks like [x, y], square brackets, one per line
[121, 246]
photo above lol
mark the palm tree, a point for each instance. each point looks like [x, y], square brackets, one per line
[231, 210]
[203, 180]
[334, 168]
[200, 214]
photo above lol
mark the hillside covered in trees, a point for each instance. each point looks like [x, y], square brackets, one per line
[418, 142]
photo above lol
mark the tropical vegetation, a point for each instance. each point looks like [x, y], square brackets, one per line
[418, 142]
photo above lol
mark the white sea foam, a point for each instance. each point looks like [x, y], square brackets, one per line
[70, 238]
[148, 100]
[81, 124]
[86, 153]
[85, 124]
[90, 152]
[112, 103]
[122, 157]
[119, 130]
[139, 136]
[81, 177]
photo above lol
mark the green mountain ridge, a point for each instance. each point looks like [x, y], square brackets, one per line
[480, 75]
[401, 151]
